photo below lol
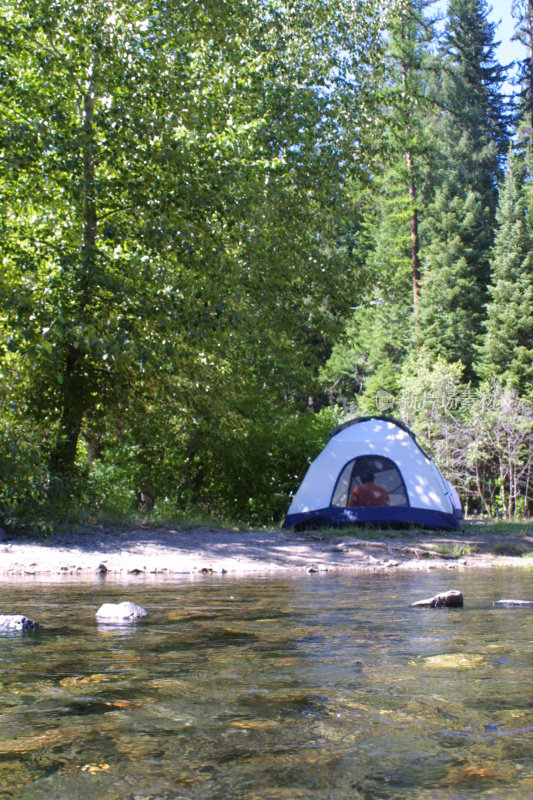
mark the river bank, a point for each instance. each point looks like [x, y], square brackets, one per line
[98, 551]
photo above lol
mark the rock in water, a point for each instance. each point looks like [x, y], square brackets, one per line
[118, 613]
[450, 599]
[17, 622]
[516, 603]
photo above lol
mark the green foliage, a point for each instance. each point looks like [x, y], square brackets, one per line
[245, 468]
[471, 132]
[500, 450]
[169, 193]
[432, 393]
[453, 288]
[24, 477]
[210, 217]
[481, 438]
[253, 470]
[110, 488]
[474, 127]
[24, 448]
[379, 387]
[376, 338]
[522, 12]
[381, 331]
[507, 349]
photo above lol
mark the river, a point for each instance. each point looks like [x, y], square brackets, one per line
[320, 687]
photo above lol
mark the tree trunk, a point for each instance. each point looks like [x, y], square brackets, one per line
[93, 448]
[530, 47]
[89, 182]
[503, 494]
[481, 493]
[74, 378]
[415, 244]
[64, 454]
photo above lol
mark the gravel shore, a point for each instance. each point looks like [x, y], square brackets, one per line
[172, 552]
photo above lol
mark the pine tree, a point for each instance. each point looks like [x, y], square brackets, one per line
[382, 329]
[472, 131]
[522, 11]
[507, 349]
[452, 294]
[411, 34]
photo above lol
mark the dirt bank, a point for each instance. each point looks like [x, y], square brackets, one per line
[168, 552]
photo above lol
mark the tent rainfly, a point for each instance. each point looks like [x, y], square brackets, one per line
[373, 471]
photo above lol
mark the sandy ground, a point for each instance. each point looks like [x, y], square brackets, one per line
[171, 552]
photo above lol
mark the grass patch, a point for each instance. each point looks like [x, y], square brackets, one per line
[84, 521]
[456, 550]
[369, 533]
[499, 527]
[508, 549]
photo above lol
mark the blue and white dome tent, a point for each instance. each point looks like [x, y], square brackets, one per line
[384, 450]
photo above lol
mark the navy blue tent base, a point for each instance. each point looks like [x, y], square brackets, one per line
[385, 516]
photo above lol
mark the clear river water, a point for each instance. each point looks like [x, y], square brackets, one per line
[320, 687]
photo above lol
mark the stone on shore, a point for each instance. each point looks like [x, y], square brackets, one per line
[516, 603]
[449, 599]
[17, 622]
[120, 613]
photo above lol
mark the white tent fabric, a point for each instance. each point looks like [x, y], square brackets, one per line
[417, 492]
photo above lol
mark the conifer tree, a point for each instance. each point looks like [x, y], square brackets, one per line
[522, 11]
[507, 349]
[411, 32]
[472, 132]
[382, 329]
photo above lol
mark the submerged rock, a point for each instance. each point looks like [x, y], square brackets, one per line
[118, 613]
[449, 599]
[517, 603]
[454, 661]
[17, 622]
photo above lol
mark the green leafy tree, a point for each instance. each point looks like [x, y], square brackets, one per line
[479, 437]
[170, 185]
[499, 452]
[431, 394]
[91, 292]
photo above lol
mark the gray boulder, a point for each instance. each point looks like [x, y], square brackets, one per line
[120, 613]
[17, 622]
[449, 599]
